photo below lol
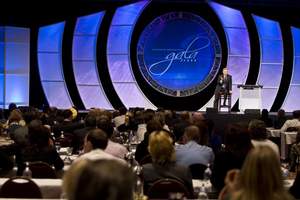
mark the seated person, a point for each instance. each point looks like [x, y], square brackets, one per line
[112, 148]
[295, 153]
[163, 163]
[191, 152]
[237, 145]
[100, 179]
[280, 119]
[40, 148]
[260, 177]
[258, 132]
[94, 144]
[292, 123]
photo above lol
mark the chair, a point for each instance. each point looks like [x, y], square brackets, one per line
[163, 187]
[20, 187]
[228, 100]
[41, 169]
[197, 170]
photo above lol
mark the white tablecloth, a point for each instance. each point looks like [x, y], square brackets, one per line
[50, 188]
[287, 138]
[273, 132]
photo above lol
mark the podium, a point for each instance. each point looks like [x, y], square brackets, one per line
[250, 97]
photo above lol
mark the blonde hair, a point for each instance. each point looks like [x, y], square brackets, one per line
[261, 176]
[161, 147]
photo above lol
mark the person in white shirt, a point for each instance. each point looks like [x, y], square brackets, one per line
[291, 123]
[94, 144]
[258, 132]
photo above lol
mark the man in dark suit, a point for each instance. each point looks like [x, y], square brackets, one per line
[224, 86]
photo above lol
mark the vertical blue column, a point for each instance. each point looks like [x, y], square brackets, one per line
[50, 65]
[85, 62]
[238, 44]
[14, 66]
[271, 59]
[118, 56]
[291, 101]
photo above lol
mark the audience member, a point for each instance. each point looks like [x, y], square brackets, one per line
[237, 145]
[260, 177]
[142, 148]
[191, 152]
[295, 153]
[292, 123]
[94, 144]
[265, 118]
[101, 179]
[294, 189]
[258, 132]
[163, 162]
[112, 148]
[39, 149]
[280, 119]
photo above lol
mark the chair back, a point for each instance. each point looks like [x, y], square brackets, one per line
[41, 169]
[20, 187]
[197, 170]
[162, 189]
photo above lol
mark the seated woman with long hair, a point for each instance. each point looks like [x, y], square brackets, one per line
[163, 164]
[260, 177]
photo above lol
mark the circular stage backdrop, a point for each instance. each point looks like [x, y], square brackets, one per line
[179, 54]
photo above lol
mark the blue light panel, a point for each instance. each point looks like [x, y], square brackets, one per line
[50, 65]
[271, 67]
[85, 62]
[292, 102]
[119, 39]
[238, 44]
[14, 67]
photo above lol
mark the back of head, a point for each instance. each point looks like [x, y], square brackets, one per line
[192, 133]
[296, 114]
[237, 140]
[105, 124]
[90, 120]
[161, 147]
[153, 125]
[257, 129]
[98, 138]
[38, 134]
[101, 179]
[67, 114]
[15, 116]
[261, 176]
[281, 113]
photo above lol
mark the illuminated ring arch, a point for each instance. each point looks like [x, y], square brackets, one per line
[204, 33]
[238, 45]
[85, 62]
[118, 56]
[50, 65]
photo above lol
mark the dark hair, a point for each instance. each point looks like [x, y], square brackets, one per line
[67, 114]
[296, 114]
[258, 129]
[90, 120]
[237, 140]
[38, 135]
[153, 125]
[98, 138]
[105, 124]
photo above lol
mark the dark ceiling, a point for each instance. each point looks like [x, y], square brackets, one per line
[36, 13]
